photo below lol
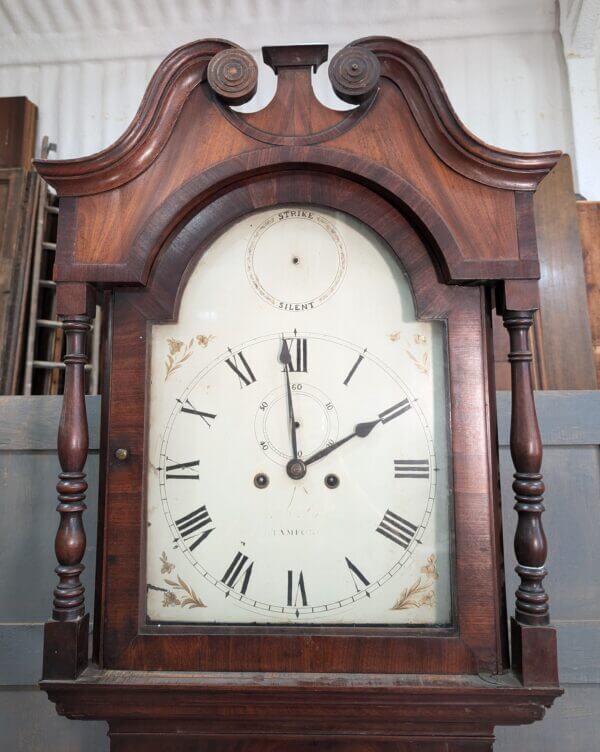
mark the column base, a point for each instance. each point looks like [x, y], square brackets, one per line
[66, 648]
[534, 656]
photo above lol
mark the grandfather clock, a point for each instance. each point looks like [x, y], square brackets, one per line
[300, 541]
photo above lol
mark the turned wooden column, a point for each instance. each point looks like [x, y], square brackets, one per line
[526, 449]
[65, 643]
[533, 641]
[72, 454]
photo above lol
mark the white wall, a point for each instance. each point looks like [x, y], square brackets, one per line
[85, 63]
[580, 31]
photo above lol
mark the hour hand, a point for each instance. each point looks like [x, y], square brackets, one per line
[361, 430]
[364, 429]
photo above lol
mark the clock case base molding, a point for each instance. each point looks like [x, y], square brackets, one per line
[247, 712]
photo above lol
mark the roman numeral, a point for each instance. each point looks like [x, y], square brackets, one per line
[238, 569]
[352, 371]
[191, 526]
[187, 407]
[397, 529]
[411, 468]
[357, 575]
[189, 470]
[394, 411]
[243, 370]
[300, 590]
[298, 354]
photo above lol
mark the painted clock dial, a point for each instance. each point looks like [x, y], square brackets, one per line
[298, 458]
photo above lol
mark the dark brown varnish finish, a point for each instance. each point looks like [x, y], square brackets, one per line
[134, 221]
[474, 643]
[71, 487]
[526, 450]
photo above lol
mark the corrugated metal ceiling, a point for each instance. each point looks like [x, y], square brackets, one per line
[85, 63]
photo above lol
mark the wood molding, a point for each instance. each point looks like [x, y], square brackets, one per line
[303, 705]
[200, 191]
[474, 642]
[186, 67]
[459, 215]
[132, 153]
[451, 140]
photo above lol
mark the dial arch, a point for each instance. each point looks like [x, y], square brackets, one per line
[413, 241]
[373, 520]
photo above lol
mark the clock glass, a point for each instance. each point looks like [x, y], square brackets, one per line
[297, 469]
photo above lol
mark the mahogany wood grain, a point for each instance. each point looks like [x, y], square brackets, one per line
[588, 213]
[562, 333]
[18, 192]
[66, 638]
[566, 341]
[417, 713]
[18, 121]
[408, 128]
[354, 74]
[66, 645]
[233, 75]
[474, 642]
[71, 487]
[526, 450]
[279, 57]
[405, 65]
[534, 654]
[150, 212]
[294, 115]
[124, 740]
[459, 216]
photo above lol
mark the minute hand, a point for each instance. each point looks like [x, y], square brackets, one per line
[362, 430]
[286, 359]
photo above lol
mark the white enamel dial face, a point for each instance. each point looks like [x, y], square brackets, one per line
[298, 456]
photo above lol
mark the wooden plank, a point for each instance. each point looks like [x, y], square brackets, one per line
[561, 340]
[579, 651]
[28, 511]
[31, 724]
[589, 229]
[565, 417]
[570, 421]
[31, 423]
[13, 190]
[572, 725]
[20, 654]
[21, 281]
[571, 522]
[566, 344]
[18, 121]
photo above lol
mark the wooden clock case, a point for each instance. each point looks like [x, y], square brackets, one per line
[459, 215]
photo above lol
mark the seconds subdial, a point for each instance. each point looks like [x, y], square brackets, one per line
[316, 418]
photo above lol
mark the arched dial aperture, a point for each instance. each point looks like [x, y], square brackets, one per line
[297, 469]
